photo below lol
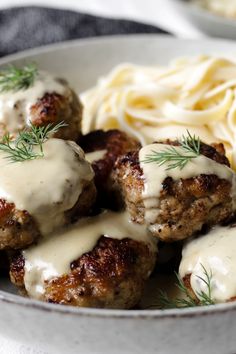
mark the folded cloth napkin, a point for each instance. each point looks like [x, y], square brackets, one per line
[28, 27]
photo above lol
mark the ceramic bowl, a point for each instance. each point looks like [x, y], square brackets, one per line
[59, 329]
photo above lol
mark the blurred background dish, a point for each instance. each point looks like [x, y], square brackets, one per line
[208, 23]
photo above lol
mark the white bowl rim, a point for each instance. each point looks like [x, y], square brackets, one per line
[8, 298]
[109, 38]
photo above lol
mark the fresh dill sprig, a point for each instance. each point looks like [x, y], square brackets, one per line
[173, 157]
[17, 151]
[206, 297]
[166, 303]
[191, 143]
[36, 135]
[203, 298]
[22, 148]
[15, 79]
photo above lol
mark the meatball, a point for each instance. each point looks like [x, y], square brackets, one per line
[184, 205]
[208, 265]
[54, 108]
[44, 193]
[102, 148]
[48, 100]
[18, 229]
[112, 275]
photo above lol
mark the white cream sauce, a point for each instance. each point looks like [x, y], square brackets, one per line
[216, 252]
[52, 256]
[95, 155]
[15, 106]
[46, 187]
[154, 176]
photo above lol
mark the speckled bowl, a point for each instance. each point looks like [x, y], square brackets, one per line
[60, 329]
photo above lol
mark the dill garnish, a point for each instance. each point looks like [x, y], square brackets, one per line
[203, 298]
[37, 135]
[22, 148]
[15, 79]
[173, 157]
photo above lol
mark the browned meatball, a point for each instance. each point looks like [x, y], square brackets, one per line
[52, 107]
[18, 229]
[51, 200]
[187, 283]
[113, 143]
[112, 275]
[185, 205]
[208, 264]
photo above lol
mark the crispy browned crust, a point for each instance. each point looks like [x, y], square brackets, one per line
[17, 228]
[17, 264]
[116, 143]
[112, 275]
[187, 284]
[219, 148]
[54, 108]
[185, 205]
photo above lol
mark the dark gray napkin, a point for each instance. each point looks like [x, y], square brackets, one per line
[27, 27]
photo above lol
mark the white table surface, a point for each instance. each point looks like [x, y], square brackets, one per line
[156, 12]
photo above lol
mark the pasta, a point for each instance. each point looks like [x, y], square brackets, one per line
[155, 103]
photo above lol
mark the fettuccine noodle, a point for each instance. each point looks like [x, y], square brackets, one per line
[155, 103]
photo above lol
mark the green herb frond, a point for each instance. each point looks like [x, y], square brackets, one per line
[22, 148]
[188, 300]
[16, 151]
[15, 79]
[173, 157]
[191, 143]
[36, 135]
[206, 297]
[167, 303]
